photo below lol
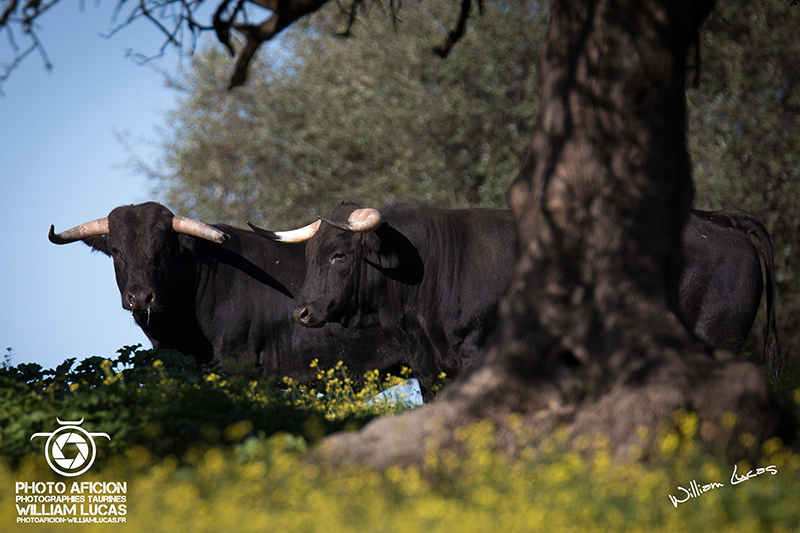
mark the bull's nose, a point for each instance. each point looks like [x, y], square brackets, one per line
[138, 299]
[302, 315]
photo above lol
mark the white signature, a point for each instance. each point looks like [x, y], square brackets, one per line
[695, 490]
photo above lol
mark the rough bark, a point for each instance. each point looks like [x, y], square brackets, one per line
[585, 337]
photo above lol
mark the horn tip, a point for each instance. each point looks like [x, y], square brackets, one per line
[53, 237]
[267, 234]
[331, 222]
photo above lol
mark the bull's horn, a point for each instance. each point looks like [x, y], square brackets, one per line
[296, 235]
[361, 220]
[199, 229]
[89, 229]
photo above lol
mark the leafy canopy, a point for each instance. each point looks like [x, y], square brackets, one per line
[373, 118]
[376, 118]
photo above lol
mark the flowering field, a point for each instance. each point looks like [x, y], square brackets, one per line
[203, 452]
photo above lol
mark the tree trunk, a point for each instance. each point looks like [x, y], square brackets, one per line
[585, 337]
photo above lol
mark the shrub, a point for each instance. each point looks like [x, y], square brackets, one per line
[160, 401]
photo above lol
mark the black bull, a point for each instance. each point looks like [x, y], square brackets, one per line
[433, 278]
[220, 292]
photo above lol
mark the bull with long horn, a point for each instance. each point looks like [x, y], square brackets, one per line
[218, 291]
[431, 278]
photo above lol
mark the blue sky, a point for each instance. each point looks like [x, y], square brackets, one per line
[60, 163]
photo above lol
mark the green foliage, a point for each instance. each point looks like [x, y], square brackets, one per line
[744, 130]
[265, 484]
[200, 451]
[159, 400]
[374, 118]
[377, 117]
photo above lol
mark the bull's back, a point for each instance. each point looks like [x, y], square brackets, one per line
[489, 245]
[720, 283]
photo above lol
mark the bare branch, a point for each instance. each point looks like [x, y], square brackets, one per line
[254, 35]
[10, 8]
[177, 22]
[145, 12]
[9, 67]
[443, 50]
[38, 45]
[28, 29]
[394, 9]
[118, 9]
[36, 10]
[171, 17]
[222, 29]
[285, 12]
[352, 17]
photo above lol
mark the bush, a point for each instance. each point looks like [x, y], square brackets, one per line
[160, 401]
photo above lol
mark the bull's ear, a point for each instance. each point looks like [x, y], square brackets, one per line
[388, 259]
[387, 263]
[378, 252]
[397, 256]
[392, 245]
[98, 244]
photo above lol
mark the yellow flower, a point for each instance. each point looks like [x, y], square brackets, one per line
[668, 443]
[729, 420]
[748, 441]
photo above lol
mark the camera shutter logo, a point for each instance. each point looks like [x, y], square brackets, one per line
[83, 441]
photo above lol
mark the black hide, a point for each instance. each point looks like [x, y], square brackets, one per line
[232, 302]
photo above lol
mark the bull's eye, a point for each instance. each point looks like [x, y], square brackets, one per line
[114, 250]
[338, 256]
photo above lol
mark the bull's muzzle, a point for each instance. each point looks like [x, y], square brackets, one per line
[138, 299]
[304, 316]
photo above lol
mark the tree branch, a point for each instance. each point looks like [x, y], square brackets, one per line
[173, 17]
[222, 29]
[350, 13]
[285, 12]
[27, 26]
[443, 50]
[10, 8]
